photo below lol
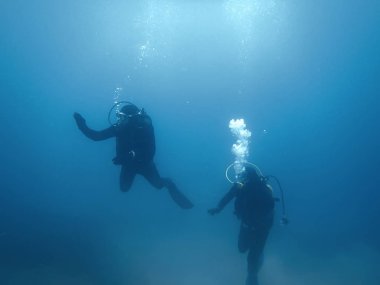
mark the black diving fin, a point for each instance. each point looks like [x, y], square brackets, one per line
[180, 198]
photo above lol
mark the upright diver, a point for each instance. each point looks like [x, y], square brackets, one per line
[135, 149]
[254, 207]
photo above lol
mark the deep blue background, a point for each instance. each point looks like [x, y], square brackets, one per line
[303, 74]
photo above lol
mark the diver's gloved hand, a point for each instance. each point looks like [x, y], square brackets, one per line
[79, 120]
[213, 211]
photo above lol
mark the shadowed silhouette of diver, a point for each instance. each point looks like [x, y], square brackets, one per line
[135, 150]
[254, 207]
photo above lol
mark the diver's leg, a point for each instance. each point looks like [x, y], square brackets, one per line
[247, 242]
[251, 279]
[127, 175]
[255, 255]
[255, 262]
[151, 174]
[245, 237]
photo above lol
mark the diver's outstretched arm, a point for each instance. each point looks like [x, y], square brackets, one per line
[224, 201]
[90, 133]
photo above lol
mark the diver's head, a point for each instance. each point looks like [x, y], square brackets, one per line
[129, 110]
[250, 174]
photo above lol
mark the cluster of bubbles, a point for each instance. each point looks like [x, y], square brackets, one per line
[240, 147]
[158, 24]
[116, 98]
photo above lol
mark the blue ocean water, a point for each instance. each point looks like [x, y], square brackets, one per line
[303, 74]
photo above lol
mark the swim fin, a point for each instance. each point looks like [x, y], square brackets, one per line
[180, 198]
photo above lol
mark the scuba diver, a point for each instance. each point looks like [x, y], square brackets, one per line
[135, 149]
[254, 207]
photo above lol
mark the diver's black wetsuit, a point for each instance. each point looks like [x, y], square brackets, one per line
[135, 149]
[254, 206]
